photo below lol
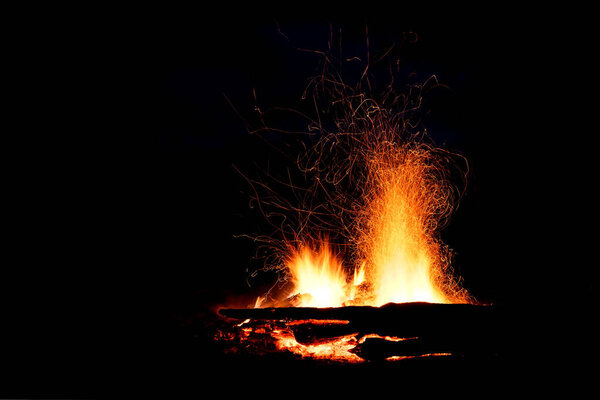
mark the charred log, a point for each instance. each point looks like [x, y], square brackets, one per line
[377, 349]
[403, 320]
[460, 329]
[313, 332]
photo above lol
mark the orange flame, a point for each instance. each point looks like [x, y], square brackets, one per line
[401, 259]
[318, 275]
[397, 231]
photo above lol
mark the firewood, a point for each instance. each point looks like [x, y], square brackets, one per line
[404, 319]
[458, 329]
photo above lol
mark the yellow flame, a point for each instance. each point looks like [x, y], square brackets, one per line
[397, 228]
[319, 276]
[400, 258]
[259, 301]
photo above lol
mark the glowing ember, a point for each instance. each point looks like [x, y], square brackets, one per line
[336, 349]
[399, 358]
[388, 338]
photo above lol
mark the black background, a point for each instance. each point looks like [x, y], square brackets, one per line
[126, 208]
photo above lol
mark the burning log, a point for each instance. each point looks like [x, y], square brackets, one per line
[320, 331]
[378, 348]
[296, 313]
[404, 320]
[405, 330]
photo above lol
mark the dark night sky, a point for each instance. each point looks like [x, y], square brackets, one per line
[153, 213]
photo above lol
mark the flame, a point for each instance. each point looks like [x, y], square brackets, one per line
[318, 274]
[400, 258]
[397, 237]
[319, 278]
[260, 300]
